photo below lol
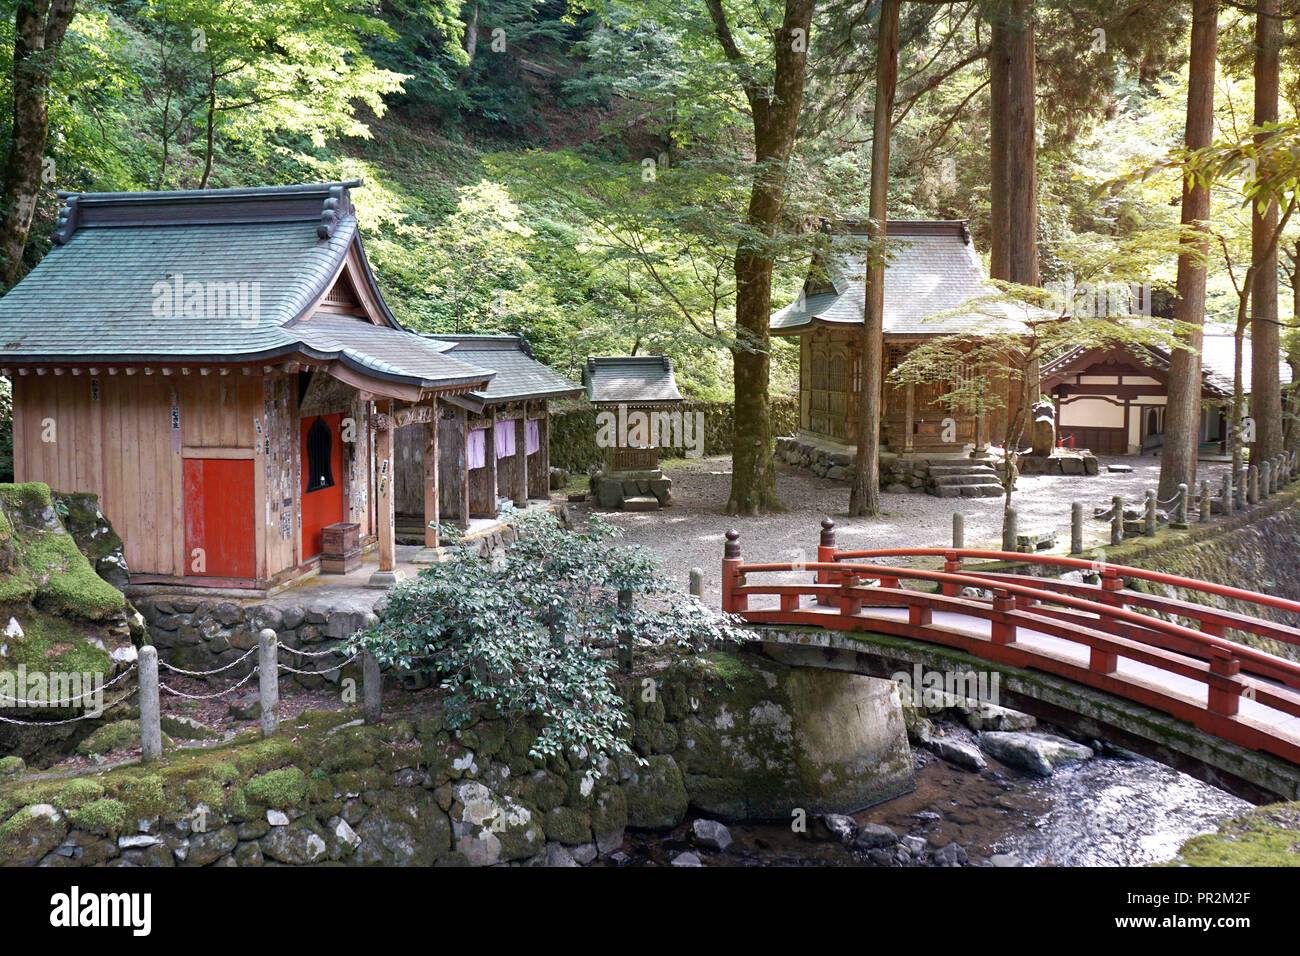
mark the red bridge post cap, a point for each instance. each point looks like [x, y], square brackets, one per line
[828, 533]
[732, 548]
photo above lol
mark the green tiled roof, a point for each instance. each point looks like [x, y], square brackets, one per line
[218, 276]
[630, 379]
[518, 375]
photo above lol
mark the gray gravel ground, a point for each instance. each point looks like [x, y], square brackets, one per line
[691, 532]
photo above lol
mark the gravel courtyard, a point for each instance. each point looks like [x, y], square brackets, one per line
[691, 532]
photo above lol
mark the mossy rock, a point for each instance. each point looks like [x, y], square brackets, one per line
[278, 789]
[656, 794]
[187, 728]
[30, 833]
[65, 582]
[567, 825]
[106, 816]
[78, 793]
[1264, 836]
[119, 735]
[10, 766]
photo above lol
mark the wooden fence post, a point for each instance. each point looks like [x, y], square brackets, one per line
[372, 687]
[1076, 528]
[268, 680]
[150, 712]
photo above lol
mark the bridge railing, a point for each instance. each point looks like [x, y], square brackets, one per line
[848, 590]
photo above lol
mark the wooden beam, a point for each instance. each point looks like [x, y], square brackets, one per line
[544, 449]
[491, 462]
[387, 519]
[520, 490]
[431, 490]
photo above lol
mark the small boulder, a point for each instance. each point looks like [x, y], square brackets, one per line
[950, 855]
[874, 836]
[959, 753]
[835, 826]
[686, 859]
[711, 834]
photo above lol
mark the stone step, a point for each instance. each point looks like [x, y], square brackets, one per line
[986, 490]
[960, 468]
[641, 503]
[965, 479]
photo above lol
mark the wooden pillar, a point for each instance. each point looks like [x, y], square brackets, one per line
[384, 481]
[431, 516]
[520, 491]
[462, 466]
[388, 573]
[490, 460]
[544, 448]
[909, 415]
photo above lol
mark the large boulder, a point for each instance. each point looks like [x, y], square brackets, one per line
[1039, 753]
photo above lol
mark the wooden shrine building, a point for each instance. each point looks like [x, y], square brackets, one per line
[932, 276]
[1113, 400]
[506, 457]
[220, 368]
[629, 389]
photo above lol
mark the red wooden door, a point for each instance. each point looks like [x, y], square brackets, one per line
[219, 537]
[322, 485]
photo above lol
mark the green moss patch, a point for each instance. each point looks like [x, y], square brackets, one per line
[1265, 836]
[278, 788]
[100, 816]
[50, 570]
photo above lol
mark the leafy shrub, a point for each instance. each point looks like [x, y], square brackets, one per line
[524, 631]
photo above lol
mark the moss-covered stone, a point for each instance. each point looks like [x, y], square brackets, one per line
[78, 793]
[567, 825]
[1264, 836]
[656, 794]
[9, 766]
[105, 816]
[278, 788]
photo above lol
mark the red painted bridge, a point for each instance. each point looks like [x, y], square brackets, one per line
[1171, 655]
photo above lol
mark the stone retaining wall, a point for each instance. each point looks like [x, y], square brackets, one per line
[897, 475]
[735, 736]
[199, 634]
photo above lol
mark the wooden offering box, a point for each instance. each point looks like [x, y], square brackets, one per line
[340, 548]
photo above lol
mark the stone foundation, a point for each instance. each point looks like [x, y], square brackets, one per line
[199, 635]
[613, 489]
[898, 476]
